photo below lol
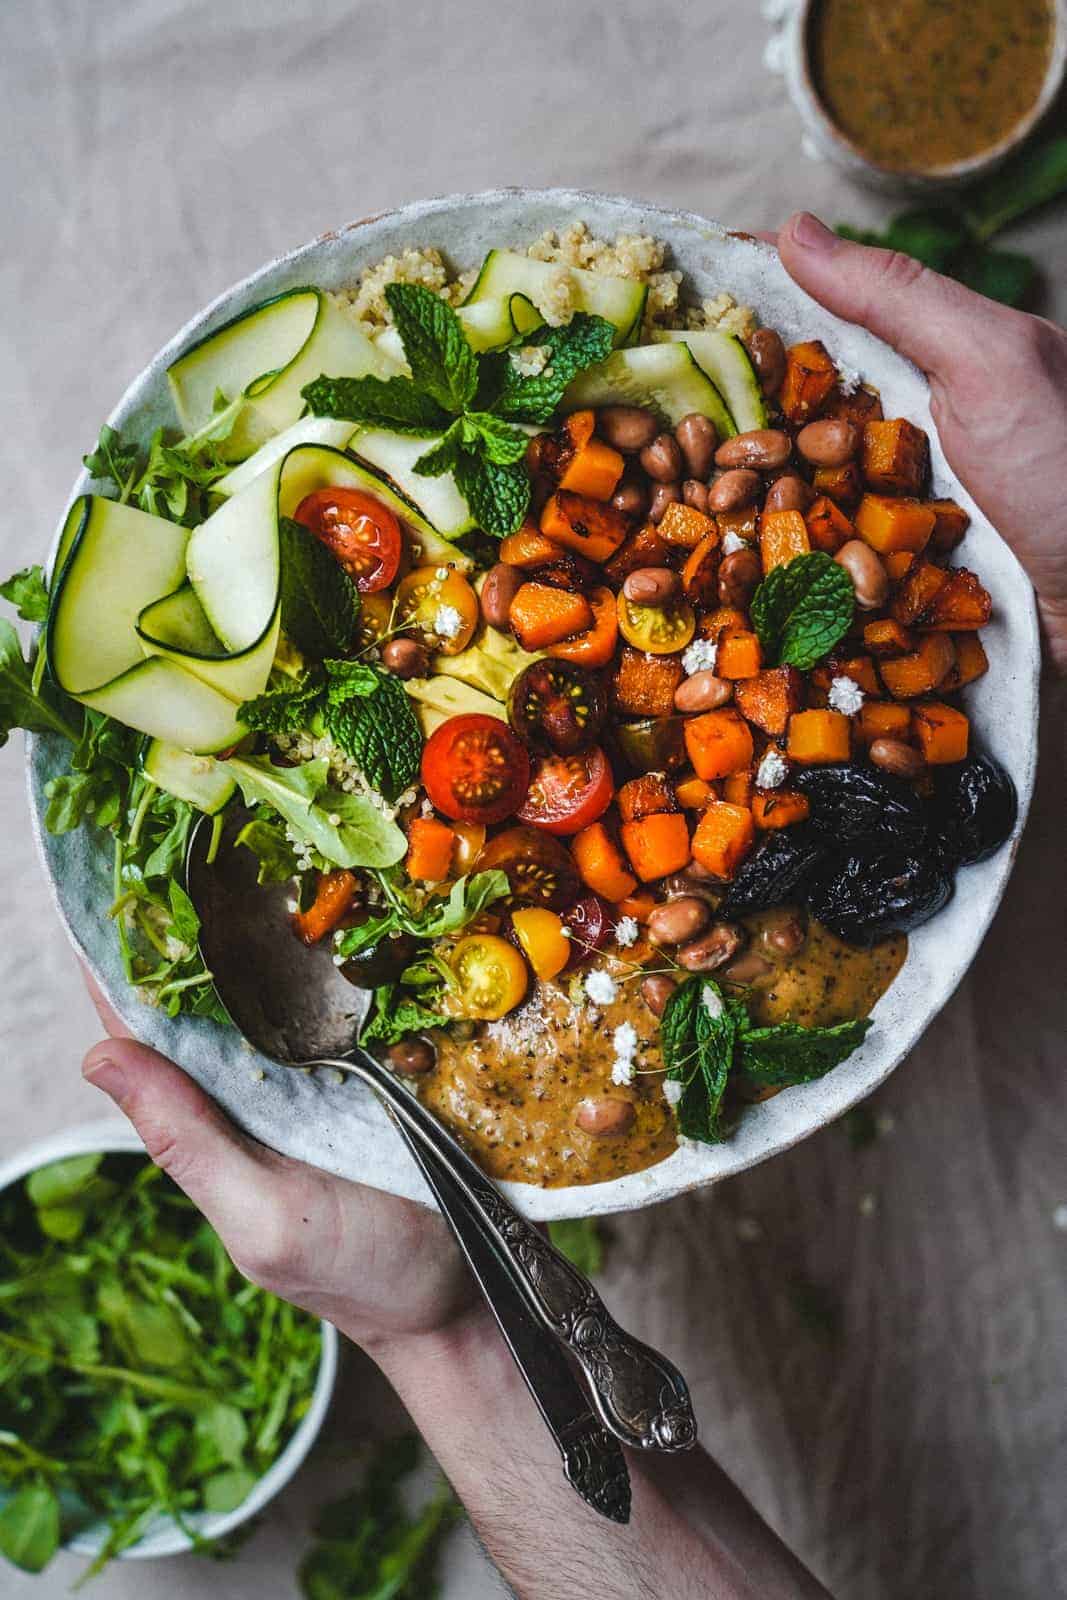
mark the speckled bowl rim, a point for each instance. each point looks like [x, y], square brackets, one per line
[338, 1126]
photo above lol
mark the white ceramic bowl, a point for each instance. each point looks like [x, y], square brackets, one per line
[163, 1537]
[339, 1126]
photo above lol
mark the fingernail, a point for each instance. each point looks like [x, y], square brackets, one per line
[103, 1073]
[809, 232]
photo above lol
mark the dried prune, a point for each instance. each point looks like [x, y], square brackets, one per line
[975, 806]
[865, 897]
[862, 806]
[777, 873]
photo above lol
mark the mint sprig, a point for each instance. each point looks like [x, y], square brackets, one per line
[802, 609]
[319, 601]
[570, 349]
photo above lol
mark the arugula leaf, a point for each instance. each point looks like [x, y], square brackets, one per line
[29, 1527]
[698, 1031]
[174, 477]
[286, 707]
[498, 496]
[378, 730]
[267, 841]
[442, 363]
[787, 1053]
[578, 344]
[802, 609]
[348, 830]
[579, 1239]
[20, 706]
[468, 897]
[393, 403]
[319, 601]
[395, 1014]
[114, 460]
[27, 592]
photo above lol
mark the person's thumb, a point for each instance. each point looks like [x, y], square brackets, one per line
[928, 318]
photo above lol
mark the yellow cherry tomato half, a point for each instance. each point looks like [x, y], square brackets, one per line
[375, 612]
[443, 611]
[491, 977]
[658, 630]
[544, 943]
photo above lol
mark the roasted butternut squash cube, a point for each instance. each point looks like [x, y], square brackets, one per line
[694, 793]
[719, 742]
[889, 524]
[643, 797]
[883, 719]
[828, 527]
[898, 563]
[896, 457]
[779, 808]
[590, 527]
[724, 836]
[644, 685]
[770, 698]
[859, 407]
[684, 526]
[783, 535]
[586, 464]
[950, 524]
[739, 655]
[810, 379]
[541, 615]
[887, 637]
[819, 736]
[941, 732]
[843, 485]
[743, 523]
[700, 575]
[739, 787]
[923, 671]
[963, 603]
[971, 661]
[644, 548]
[657, 845]
[723, 620]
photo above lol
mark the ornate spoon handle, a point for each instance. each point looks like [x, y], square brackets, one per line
[642, 1398]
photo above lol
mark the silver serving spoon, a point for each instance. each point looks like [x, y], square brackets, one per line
[295, 1007]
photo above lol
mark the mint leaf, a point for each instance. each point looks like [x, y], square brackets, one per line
[26, 591]
[442, 363]
[286, 708]
[442, 456]
[493, 439]
[580, 343]
[697, 1034]
[499, 496]
[802, 609]
[380, 731]
[345, 679]
[787, 1053]
[319, 601]
[579, 1239]
[269, 844]
[29, 1527]
[393, 403]
[395, 1014]
[20, 705]
[348, 830]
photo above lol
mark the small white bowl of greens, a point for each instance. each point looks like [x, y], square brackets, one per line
[151, 1400]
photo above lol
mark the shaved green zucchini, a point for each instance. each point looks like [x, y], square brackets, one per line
[199, 780]
[160, 699]
[177, 627]
[506, 273]
[662, 377]
[439, 504]
[726, 361]
[309, 430]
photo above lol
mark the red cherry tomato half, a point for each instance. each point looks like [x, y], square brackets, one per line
[474, 769]
[359, 531]
[591, 925]
[567, 793]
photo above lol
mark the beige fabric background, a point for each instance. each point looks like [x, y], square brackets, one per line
[875, 1337]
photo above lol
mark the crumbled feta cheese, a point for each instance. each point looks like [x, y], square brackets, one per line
[448, 622]
[626, 931]
[624, 1040]
[672, 1091]
[845, 696]
[732, 542]
[601, 987]
[712, 1002]
[699, 656]
[772, 770]
[848, 380]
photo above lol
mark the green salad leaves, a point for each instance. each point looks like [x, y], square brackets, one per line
[347, 830]
[319, 601]
[169, 480]
[802, 609]
[473, 401]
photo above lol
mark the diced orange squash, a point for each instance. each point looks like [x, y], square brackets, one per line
[950, 524]
[896, 456]
[684, 526]
[657, 845]
[700, 575]
[719, 742]
[883, 719]
[941, 732]
[724, 619]
[645, 796]
[596, 646]
[335, 894]
[541, 615]
[724, 836]
[817, 736]
[769, 699]
[738, 788]
[841, 484]
[898, 563]
[918, 590]
[590, 466]
[860, 407]
[693, 794]
[887, 637]
[894, 524]
[601, 863]
[543, 940]
[644, 685]
[962, 603]
[783, 535]
[528, 547]
[743, 523]
[828, 527]
[592, 528]
[810, 378]
[860, 669]
[645, 548]
[639, 905]
[430, 847]
[739, 655]
[923, 671]
[971, 661]
[779, 808]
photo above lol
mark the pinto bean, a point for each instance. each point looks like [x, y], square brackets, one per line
[748, 968]
[663, 495]
[785, 935]
[663, 459]
[702, 692]
[406, 658]
[869, 578]
[651, 586]
[697, 436]
[768, 356]
[740, 575]
[502, 584]
[893, 755]
[829, 443]
[627, 428]
[678, 921]
[631, 498]
[695, 494]
[734, 489]
[412, 1057]
[763, 449]
[713, 949]
[789, 493]
[656, 990]
[604, 1116]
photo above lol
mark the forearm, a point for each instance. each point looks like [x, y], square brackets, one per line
[691, 1535]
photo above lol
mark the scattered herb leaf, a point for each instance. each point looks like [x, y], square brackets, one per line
[802, 609]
